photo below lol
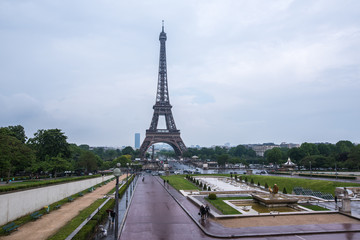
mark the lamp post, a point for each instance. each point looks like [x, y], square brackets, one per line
[117, 174]
[127, 183]
[310, 170]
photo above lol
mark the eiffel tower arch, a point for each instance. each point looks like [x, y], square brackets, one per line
[162, 108]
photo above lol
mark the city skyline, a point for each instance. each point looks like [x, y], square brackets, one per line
[244, 72]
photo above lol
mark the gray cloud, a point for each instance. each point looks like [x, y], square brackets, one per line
[239, 71]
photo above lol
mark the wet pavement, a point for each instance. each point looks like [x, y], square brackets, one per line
[159, 212]
[154, 214]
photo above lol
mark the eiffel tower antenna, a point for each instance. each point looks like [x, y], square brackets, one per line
[162, 107]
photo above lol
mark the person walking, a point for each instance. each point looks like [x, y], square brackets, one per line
[207, 210]
[202, 212]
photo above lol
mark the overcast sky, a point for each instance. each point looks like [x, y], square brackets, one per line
[239, 71]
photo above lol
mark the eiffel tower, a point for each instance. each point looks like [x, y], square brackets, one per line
[162, 107]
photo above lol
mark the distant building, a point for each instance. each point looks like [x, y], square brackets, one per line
[260, 149]
[137, 140]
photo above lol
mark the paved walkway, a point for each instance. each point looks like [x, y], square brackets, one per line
[155, 214]
[50, 223]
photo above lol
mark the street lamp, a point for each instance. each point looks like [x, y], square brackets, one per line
[310, 170]
[127, 183]
[117, 173]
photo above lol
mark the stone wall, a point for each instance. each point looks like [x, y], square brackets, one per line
[18, 204]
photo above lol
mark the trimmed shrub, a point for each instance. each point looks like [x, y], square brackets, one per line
[266, 185]
[284, 190]
[258, 184]
[212, 196]
[246, 180]
[204, 187]
[209, 188]
[201, 184]
[252, 181]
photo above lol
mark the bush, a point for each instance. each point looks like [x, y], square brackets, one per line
[204, 187]
[197, 182]
[246, 180]
[209, 188]
[212, 196]
[266, 185]
[252, 181]
[258, 184]
[240, 178]
[284, 190]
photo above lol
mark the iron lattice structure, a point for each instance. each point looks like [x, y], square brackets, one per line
[162, 107]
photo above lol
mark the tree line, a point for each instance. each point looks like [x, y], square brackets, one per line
[48, 152]
[343, 154]
[223, 155]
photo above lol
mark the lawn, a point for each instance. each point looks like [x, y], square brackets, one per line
[314, 207]
[179, 182]
[223, 207]
[289, 183]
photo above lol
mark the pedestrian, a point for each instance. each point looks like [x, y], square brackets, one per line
[202, 212]
[164, 182]
[113, 214]
[207, 210]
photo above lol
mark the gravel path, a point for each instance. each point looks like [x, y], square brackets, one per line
[50, 223]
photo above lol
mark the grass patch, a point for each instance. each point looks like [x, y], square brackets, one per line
[179, 182]
[223, 207]
[289, 183]
[314, 207]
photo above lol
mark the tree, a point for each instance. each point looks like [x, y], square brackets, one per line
[15, 131]
[274, 155]
[324, 149]
[353, 161]
[128, 151]
[222, 159]
[88, 161]
[123, 160]
[50, 143]
[296, 154]
[58, 165]
[14, 155]
[309, 149]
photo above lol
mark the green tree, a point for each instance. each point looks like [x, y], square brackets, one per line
[353, 161]
[15, 131]
[123, 160]
[88, 161]
[274, 155]
[15, 156]
[309, 149]
[128, 151]
[58, 165]
[50, 143]
[222, 159]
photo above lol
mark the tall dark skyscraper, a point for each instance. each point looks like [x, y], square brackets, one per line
[137, 140]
